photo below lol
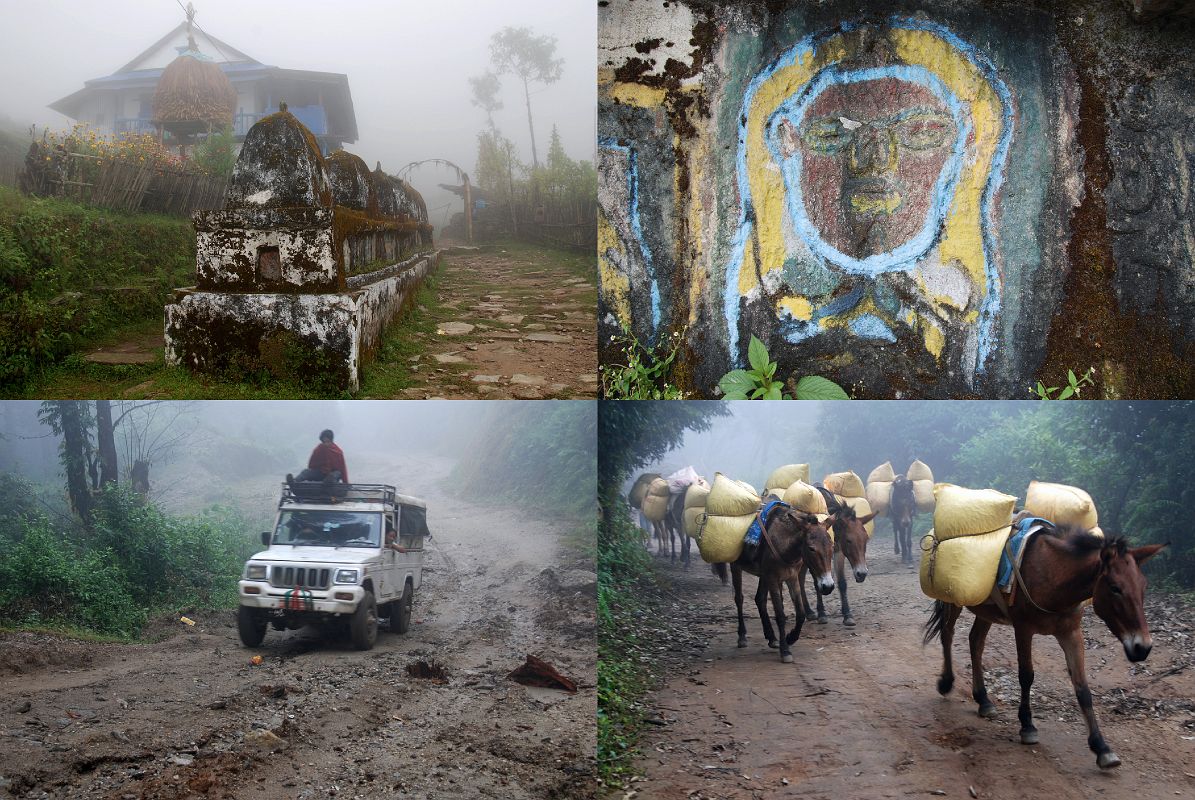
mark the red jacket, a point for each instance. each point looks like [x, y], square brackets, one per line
[326, 457]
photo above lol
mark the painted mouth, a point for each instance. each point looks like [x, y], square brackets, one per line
[872, 196]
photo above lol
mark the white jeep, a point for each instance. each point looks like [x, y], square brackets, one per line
[327, 562]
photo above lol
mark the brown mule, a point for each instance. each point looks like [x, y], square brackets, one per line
[1059, 572]
[850, 544]
[792, 540]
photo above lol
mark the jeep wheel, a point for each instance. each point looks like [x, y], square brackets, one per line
[251, 625]
[364, 625]
[400, 621]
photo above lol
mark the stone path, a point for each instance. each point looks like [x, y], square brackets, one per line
[509, 324]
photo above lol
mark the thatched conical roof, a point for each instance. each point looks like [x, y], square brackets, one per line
[193, 91]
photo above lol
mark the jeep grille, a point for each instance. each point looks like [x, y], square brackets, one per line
[305, 577]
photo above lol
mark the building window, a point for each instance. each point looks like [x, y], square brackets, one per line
[269, 263]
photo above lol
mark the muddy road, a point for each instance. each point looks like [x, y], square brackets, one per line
[190, 717]
[857, 714]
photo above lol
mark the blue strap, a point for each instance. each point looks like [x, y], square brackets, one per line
[754, 532]
[1015, 544]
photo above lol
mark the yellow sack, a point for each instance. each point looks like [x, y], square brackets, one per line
[803, 497]
[846, 484]
[862, 509]
[918, 471]
[655, 504]
[783, 477]
[1062, 504]
[879, 495]
[731, 498]
[696, 495]
[773, 494]
[694, 516]
[639, 490]
[967, 512]
[962, 570]
[721, 539]
[923, 496]
[882, 474]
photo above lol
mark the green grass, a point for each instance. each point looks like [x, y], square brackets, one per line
[66, 631]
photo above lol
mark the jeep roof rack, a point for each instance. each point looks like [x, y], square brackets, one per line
[315, 492]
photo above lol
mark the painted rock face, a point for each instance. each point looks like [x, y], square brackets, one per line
[871, 155]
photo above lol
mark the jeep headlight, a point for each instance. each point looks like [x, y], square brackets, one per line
[255, 572]
[346, 576]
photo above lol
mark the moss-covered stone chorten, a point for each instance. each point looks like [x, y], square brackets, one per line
[304, 266]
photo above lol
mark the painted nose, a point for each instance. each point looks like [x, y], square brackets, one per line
[860, 574]
[872, 152]
[825, 584]
[1137, 647]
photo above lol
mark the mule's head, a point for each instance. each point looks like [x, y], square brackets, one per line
[851, 536]
[1119, 595]
[818, 552]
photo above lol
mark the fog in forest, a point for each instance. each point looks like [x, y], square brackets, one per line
[408, 67]
[236, 453]
[1133, 457]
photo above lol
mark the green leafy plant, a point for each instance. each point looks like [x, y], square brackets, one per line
[644, 376]
[1073, 388]
[760, 382]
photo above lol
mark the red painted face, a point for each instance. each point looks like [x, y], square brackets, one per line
[871, 153]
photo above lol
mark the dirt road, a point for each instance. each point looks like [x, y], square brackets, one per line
[190, 717]
[857, 714]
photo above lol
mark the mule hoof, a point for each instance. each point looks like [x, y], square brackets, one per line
[772, 644]
[811, 616]
[1029, 736]
[1108, 760]
[945, 684]
[987, 711]
[823, 619]
[742, 642]
[848, 621]
[787, 658]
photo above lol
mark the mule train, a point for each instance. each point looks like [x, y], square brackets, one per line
[1035, 568]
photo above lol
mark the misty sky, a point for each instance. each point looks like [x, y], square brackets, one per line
[407, 65]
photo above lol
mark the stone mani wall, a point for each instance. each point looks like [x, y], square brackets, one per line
[899, 200]
[300, 272]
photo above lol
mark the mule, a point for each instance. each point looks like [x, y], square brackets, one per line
[901, 509]
[850, 544]
[674, 523]
[1059, 572]
[791, 541]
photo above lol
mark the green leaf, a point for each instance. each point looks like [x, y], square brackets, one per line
[757, 354]
[773, 392]
[736, 382]
[771, 370]
[815, 387]
[758, 393]
[1070, 376]
[1067, 392]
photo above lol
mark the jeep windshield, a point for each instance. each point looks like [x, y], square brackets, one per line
[329, 528]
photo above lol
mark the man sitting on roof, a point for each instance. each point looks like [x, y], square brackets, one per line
[326, 464]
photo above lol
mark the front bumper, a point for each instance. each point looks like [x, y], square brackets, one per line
[320, 601]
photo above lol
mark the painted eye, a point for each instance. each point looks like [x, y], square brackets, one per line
[925, 131]
[826, 135]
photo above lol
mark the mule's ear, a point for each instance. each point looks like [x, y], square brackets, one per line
[868, 518]
[1146, 552]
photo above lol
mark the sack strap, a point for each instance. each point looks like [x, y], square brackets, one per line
[763, 531]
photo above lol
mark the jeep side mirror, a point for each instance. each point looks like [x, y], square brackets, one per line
[265, 538]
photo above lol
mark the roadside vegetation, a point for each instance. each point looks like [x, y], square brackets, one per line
[74, 274]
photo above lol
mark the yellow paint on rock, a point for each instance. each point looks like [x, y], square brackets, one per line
[636, 94]
[797, 307]
[613, 283]
[935, 340]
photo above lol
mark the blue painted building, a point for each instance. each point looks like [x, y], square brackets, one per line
[123, 101]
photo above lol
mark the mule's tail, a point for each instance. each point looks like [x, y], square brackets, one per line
[722, 571]
[933, 627]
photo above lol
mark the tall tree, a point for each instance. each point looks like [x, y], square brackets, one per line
[71, 419]
[106, 440]
[485, 88]
[530, 58]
